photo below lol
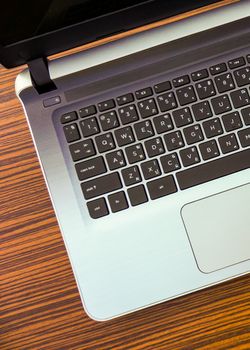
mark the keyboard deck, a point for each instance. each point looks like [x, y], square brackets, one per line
[152, 142]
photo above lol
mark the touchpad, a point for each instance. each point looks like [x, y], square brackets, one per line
[218, 228]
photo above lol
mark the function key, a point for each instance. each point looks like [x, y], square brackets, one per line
[86, 111]
[123, 99]
[218, 68]
[101, 185]
[184, 79]
[248, 58]
[200, 74]
[71, 132]
[161, 87]
[144, 93]
[90, 168]
[118, 201]
[82, 150]
[97, 208]
[103, 106]
[137, 195]
[68, 117]
[236, 62]
[161, 187]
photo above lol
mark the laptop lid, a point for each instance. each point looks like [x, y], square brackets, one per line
[42, 28]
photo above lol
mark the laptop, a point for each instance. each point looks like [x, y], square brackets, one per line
[144, 141]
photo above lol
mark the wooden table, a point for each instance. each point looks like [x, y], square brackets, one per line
[39, 303]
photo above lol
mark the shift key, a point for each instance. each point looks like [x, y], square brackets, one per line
[101, 185]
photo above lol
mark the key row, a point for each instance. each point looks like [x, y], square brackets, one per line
[159, 187]
[173, 140]
[224, 82]
[148, 108]
[169, 162]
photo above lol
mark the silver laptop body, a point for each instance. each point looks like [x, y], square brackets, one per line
[189, 234]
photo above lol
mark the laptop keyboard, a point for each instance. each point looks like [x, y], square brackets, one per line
[152, 142]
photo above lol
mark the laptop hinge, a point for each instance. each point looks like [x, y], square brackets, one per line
[40, 76]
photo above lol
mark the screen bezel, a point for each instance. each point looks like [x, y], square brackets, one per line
[66, 38]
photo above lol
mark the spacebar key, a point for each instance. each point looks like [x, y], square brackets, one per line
[214, 170]
[101, 185]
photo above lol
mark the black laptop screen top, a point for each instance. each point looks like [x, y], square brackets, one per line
[30, 29]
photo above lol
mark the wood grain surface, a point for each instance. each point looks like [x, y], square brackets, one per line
[40, 306]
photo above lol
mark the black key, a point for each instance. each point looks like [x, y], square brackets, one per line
[200, 74]
[163, 123]
[143, 129]
[182, 117]
[202, 110]
[232, 121]
[131, 175]
[97, 208]
[150, 169]
[147, 108]
[244, 136]
[89, 127]
[124, 99]
[109, 120]
[189, 156]
[236, 62]
[170, 162]
[212, 127]
[105, 142]
[105, 105]
[242, 76]
[224, 82]
[167, 101]
[205, 89]
[87, 111]
[221, 104]
[213, 170]
[68, 117]
[218, 68]
[135, 153]
[245, 112]
[193, 134]
[124, 136]
[82, 150]
[101, 185]
[161, 187]
[228, 143]
[115, 160]
[146, 92]
[186, 95]
[154, 147]
[90, 168]
[209, 150]
[137, 195]
[173, 140]
[240, 98]
[128, 114]
[180, 81]
[71, 132]
[118, 201]
[161, 87]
